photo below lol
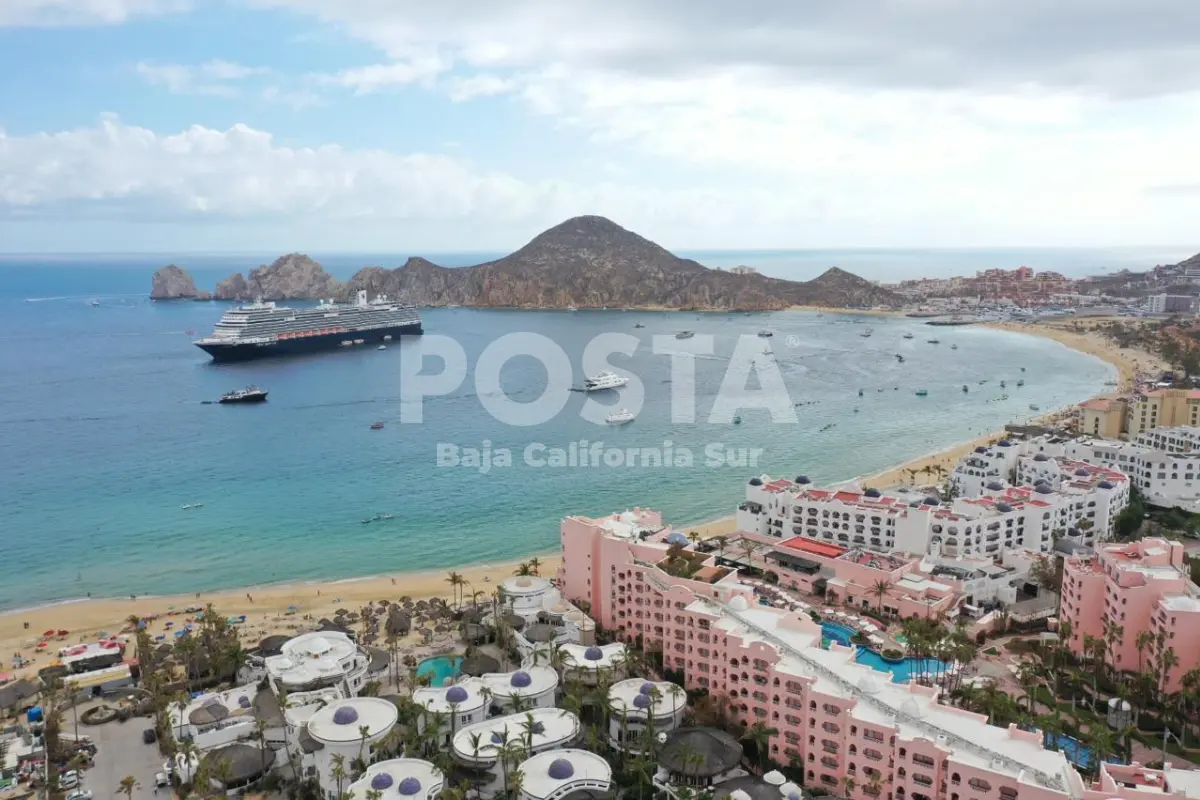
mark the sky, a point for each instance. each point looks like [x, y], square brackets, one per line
[459, 125]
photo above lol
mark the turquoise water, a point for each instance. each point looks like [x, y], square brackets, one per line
[105, 436]
[901, 673]
[440, 669]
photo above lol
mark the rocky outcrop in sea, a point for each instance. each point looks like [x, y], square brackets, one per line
[174, 283]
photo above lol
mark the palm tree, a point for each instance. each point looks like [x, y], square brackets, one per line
[848, 784]
[1167, 662]
[535, 564]
[760, 735]
[338, 770]
[1102, 742]
[127, 786]
[181, 700]
[523, 569]
[880, 589]
[1144, 640]
[455, 580]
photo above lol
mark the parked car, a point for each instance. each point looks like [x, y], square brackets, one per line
[68, 780]
[149, 736]
[161, 780]
[82, 794]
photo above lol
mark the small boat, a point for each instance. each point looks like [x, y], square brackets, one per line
[900, 358]
[965, 389]
[684, 335]
[94, 302]
[953, 347]
[572, 308]
[908, 336]
[359, 341]
[934, 341]
[189, 506]
[922, 392]
[860, 392]
[1021, 382]
[380, 517]
[865, 334]
[387, 337]
[1032, 407]
[1022, 369]
[382, 347]
[638, 325]
[737, 420]
[1003, 385]
[619, 417]
[251, 394]
[346, 343]
[376, 426]
[765, 334]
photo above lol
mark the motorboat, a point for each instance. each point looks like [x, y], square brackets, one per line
[604, 380]
[1032, 407]
[620, 417]
[190, 506]
[382, 347]
[934, 341]
[251, 394]
[1021, 382]
[376, 426]
[908, 336]
[95, 302]
[572, 308]
[922, 392]
[765, 334]
[953, 347]
[685, 335]
[737, 420]
[638, 325]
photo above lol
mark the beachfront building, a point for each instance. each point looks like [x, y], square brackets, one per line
[1163, 464]
[641, 709]
[1162, 408]
[1103, 417]
[486, 748]
[350, 729]
[399, 779]
[538, 602]
[1135, 782]
[565, 773]
[465, 703]
[1123, 590]
[319, 659]
[1029, 517]
[592, 665]
[527, 688]
[215, 719]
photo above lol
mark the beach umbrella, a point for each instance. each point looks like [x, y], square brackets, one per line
[48, 633]
[160, 637]
[293, 608]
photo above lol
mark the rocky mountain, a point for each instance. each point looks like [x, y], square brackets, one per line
[583, 262]
[593, 262]
[174, 283]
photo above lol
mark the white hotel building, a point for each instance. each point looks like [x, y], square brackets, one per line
[1029, 517]
[318, 660]
[481, 746]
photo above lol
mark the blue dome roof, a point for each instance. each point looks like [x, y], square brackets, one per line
[561, 769]
[794, 796]
[1082, 473]
[646, 688]
[345, 716]
[1044, 489]
[409, 786]
[643, 701]
[1003, 508]
[1041, 457]
[497, 738]
[1004, 443]
[381, 781]
[871, 493]
[932, 501]
[1104, 485]
[755, 482]
[520, 679]
[802, 479]
[456, 694]
[995, 486]
[593, 654]
[244, 701]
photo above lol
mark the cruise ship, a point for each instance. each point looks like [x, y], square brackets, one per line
[260, 330]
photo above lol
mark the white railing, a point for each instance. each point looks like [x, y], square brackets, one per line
[936, 731]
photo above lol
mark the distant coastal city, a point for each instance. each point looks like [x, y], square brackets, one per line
[1012, 615]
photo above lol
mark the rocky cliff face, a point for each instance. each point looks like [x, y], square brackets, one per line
[291, 277]
[593, 262]
[584, 262]
[174, 283]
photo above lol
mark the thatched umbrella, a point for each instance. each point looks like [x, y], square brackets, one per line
[398, 623]
[514, 621]
[208, 714]
[479, 664]
[541, 632]
[272, 645]
[245, 763]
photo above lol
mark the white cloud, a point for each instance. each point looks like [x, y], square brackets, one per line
[376, 77]
[212, 77]
[481, 85]
[38, 13]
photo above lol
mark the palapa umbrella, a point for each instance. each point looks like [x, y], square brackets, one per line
[478, 665]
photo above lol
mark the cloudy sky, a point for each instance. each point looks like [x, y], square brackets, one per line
[379, 125]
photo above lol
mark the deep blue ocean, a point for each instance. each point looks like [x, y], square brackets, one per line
[105, 435]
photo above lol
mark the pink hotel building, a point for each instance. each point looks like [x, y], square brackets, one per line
[1138, 586]
[836, 719]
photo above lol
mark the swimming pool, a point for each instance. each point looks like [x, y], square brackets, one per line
[440, 669]
[1076, 751]
[901, 672]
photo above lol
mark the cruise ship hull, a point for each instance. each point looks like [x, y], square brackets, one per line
[307, 344]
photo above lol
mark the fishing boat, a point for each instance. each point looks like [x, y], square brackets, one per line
[922, 392]
[620, 417]
[376, 426]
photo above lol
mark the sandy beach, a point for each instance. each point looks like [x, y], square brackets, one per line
[267, 608]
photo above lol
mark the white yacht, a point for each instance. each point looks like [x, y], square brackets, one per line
[604, 380]
[620, 417]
